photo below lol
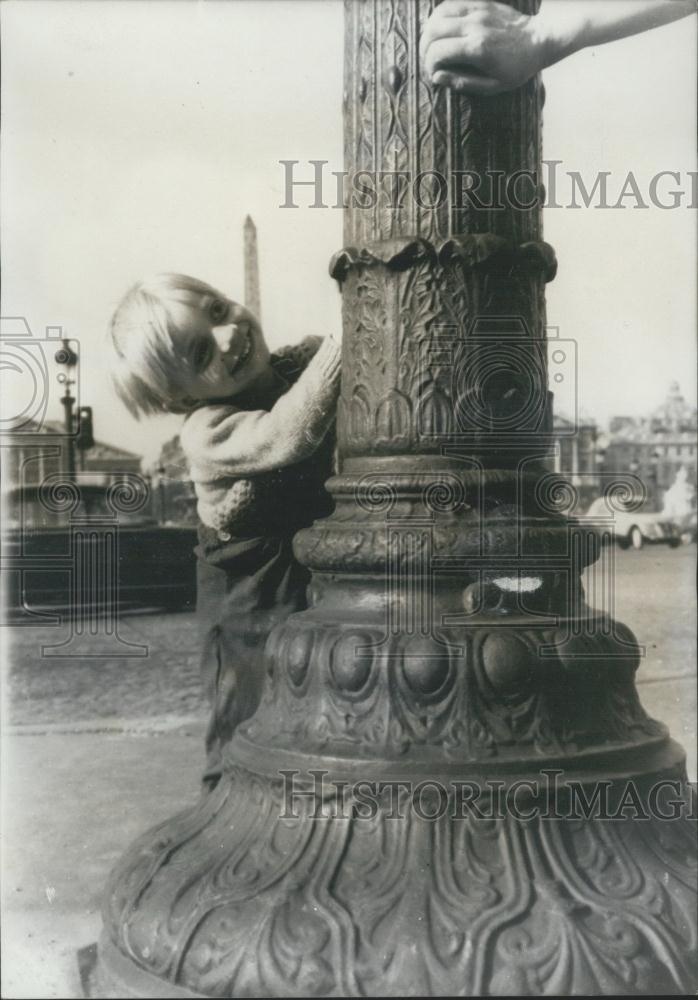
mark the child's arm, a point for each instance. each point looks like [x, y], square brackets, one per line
[221, 441]
[484, 47]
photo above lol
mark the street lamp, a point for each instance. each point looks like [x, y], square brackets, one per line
[84, 439]
[67, 358]
[654, 474]
[162, 499]
[599, 460]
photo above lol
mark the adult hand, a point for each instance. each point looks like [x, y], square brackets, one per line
[481, 46]
[485, 47]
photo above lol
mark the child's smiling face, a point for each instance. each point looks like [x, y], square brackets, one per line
[221, 343]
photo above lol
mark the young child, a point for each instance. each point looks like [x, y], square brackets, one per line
[258, 437]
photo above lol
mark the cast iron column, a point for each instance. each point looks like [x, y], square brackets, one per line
[448, 654]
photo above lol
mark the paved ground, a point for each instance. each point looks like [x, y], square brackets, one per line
[150, 668]
[100, 749]
[73, 800]
[655, 594]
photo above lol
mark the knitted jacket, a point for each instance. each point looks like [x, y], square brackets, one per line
[239, 458]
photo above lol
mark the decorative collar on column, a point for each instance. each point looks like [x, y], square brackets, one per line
[471, 250]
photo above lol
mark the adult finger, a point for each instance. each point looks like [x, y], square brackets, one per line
[466, 83]
[438, 28]
[449, 53]
[458, 8]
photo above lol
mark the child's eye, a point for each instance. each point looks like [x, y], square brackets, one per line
[218, 311]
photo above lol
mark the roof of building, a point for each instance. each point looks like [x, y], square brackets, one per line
[100, 450]
[674, 420]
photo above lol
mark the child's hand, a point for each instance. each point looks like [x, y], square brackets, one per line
[480, 47]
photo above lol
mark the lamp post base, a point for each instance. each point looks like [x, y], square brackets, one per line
[266, 891]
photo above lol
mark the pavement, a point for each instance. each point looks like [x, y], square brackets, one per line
[103, 738]
[147, 667]
[96, 750]
[74, 798]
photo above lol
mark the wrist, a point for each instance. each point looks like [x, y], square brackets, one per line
[558, 31]
[329, 357]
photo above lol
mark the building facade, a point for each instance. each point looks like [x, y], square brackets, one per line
[29, 458]
[656, 447]
[575, 456]
[172, 487]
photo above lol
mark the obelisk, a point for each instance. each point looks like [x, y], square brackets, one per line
[251, 261]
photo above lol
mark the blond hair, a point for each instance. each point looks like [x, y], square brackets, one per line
[147, 370]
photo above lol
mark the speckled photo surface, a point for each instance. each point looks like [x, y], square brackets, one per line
[465, 297]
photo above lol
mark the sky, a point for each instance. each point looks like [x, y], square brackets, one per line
[138, 135]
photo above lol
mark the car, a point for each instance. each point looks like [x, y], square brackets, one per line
[634, 526]
[689, 528]
[92, 558]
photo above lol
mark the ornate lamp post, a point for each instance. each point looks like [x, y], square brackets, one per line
[654, 475]
[67, 358]
[161, 473]
[386, 825]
